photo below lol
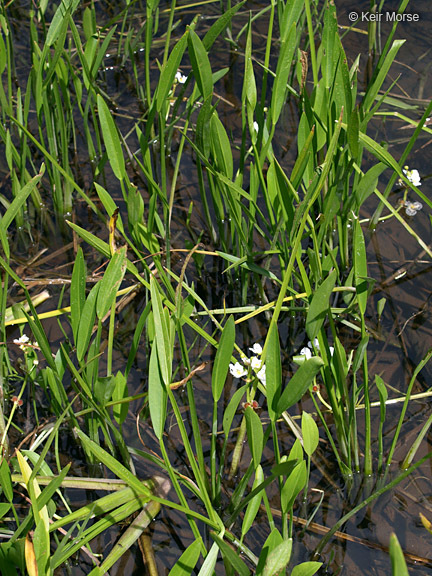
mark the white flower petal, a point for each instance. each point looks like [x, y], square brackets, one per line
[180, 78]
[256, 349]
[261, 375]
[237, 370]
[306, 352]
[255, 363]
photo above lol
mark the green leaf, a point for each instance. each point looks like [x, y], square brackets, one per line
[103, 389]
[111, 139]
[399, 567]
[383, 67]
[200, 65]
[5, 480]
[294, 484]
[207, 569]
[273, 372]
[19, 199]
[186, 563]
[114, 465]
[221, 147]
[288, 45]
[368, 183]
[120, 411]
[161, 333]
[255, 435]
[360, 268]
[65, 8]
[168, 73]
[319, 306]
[298, 384]
[306, 569]
[273, 540]
[310, 434]
[249, 92]
[383, 395]
[353, 133]
[230, 556]
[220, 26]
[254, 503]
[278, 558]
[232, 409]
[157, 395]
[77, 294]
[86, 323]
[223, 358]
[359, 353]
[3, 54]
[110, 282]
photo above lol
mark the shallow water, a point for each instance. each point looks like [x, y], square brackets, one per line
[403, 335]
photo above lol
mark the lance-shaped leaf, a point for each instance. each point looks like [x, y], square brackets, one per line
[298, 384]
[222, 359]
[111, 139]
[319, 306]
[111, 281]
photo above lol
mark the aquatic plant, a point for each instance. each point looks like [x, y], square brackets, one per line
[288, 237]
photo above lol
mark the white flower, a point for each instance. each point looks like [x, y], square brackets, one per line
[331, 350]
[306, 352]
[256, 349]
[255, 362]
[22, 342]
[412, 175]
[35, 362]
[237, 370]
[261, 375]
[411, 208]
[256, 127]
[180, 78]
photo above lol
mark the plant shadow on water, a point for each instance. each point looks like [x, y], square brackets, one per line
[259, 203]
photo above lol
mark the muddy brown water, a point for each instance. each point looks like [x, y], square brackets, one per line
[403, 333]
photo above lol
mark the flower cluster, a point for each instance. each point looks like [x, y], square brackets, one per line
[239, 370]
[412, 175]
[28, 347]
[23, 342]
[411, 208]
[307, 352]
